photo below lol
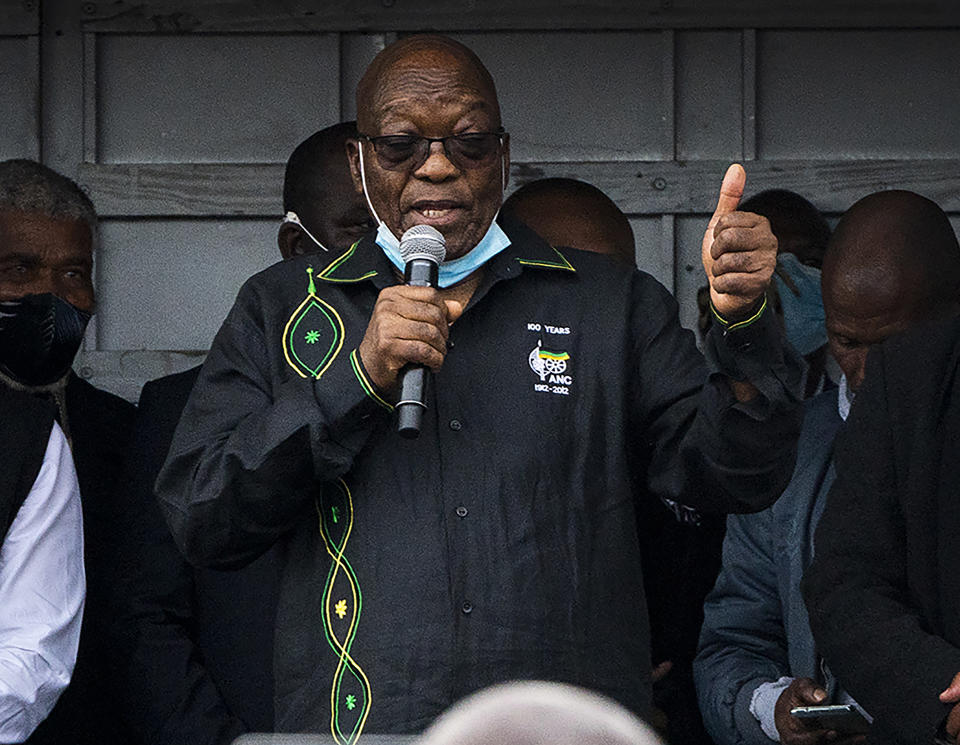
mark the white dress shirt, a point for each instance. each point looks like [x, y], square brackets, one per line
[42, 588]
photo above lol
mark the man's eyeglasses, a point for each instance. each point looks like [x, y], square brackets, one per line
[409, 152]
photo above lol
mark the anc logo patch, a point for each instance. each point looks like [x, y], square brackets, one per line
[313, 336]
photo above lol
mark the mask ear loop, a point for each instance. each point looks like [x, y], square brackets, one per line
[292, 217]
[363, 182]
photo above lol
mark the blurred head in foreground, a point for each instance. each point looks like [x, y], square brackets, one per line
[538, 713]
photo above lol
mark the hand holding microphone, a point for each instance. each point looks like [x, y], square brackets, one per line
[409, 327]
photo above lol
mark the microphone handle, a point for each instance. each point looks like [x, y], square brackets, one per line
[413, 378]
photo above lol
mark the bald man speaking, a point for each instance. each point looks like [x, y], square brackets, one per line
[502, 542]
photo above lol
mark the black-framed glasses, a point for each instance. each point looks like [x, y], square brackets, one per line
[408, 152]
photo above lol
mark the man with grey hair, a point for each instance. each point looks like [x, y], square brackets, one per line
[48, 228]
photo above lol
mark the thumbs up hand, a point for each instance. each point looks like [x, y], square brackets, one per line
[739, 251]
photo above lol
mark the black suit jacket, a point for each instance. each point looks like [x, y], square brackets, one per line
[195, 646]
[884, 591]
[25, 425]
[99, 424]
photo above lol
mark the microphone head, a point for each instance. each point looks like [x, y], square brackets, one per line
[423, 242]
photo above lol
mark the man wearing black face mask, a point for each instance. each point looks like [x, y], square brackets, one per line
[47, 232]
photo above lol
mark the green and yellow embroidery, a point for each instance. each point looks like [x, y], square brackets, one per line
[365, 382]
[562, 264]
[350, 694]
[327, 274]
[313, 336]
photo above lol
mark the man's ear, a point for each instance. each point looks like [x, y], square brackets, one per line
[353, 158]
[290, 240]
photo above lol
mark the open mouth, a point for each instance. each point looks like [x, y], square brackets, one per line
[436, 212]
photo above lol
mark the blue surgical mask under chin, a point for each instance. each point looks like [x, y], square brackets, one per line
[451, 272]
[803, 316]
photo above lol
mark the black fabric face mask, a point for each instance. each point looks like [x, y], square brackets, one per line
[39, 337]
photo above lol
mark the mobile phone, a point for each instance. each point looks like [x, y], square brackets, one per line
[843, 718]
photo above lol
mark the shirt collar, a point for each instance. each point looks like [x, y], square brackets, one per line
[527, 251]
[844, 398]
[365, 260]
[362, 261]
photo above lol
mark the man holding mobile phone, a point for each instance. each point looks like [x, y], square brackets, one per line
[892, 262]
[882, 590]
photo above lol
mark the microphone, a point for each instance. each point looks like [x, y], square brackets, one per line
[422, 249]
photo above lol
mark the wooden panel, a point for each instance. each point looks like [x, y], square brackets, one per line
[183, 189]
[20, 97]
[708, 98]
[651, 253]
[858, 94]
[356, 52]
[125, 372]
[19, 17]
[168, 284]
[748, 86]
[183, 16]
[689, 268]
[648, 188]
[224, 99]
[557, 107]
[61, 86]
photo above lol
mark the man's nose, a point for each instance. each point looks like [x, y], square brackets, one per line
[437, 166]
[39, 283]
[859, 370]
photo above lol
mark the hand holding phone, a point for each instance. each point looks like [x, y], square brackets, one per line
[845, 719]
[795, 730]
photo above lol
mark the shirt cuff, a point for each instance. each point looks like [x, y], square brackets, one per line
[763, 705]
[752, 316]
[368, 386]
[350, 405]
[754, 350]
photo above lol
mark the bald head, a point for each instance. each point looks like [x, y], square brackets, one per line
[412, 64]
[567, 212]
[892, 261]
[318, 188]
[897, 239]
[538, 713]
[318, 168]
[416, 94]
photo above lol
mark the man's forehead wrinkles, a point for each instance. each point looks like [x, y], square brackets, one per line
[405, 107]
[430, 89]
[430, 85]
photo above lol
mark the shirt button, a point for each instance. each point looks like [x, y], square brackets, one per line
[456, 425]
[461, 511]
[467, 608]
[450, 344]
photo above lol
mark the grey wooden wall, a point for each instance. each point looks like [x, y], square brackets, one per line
[177, 118]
